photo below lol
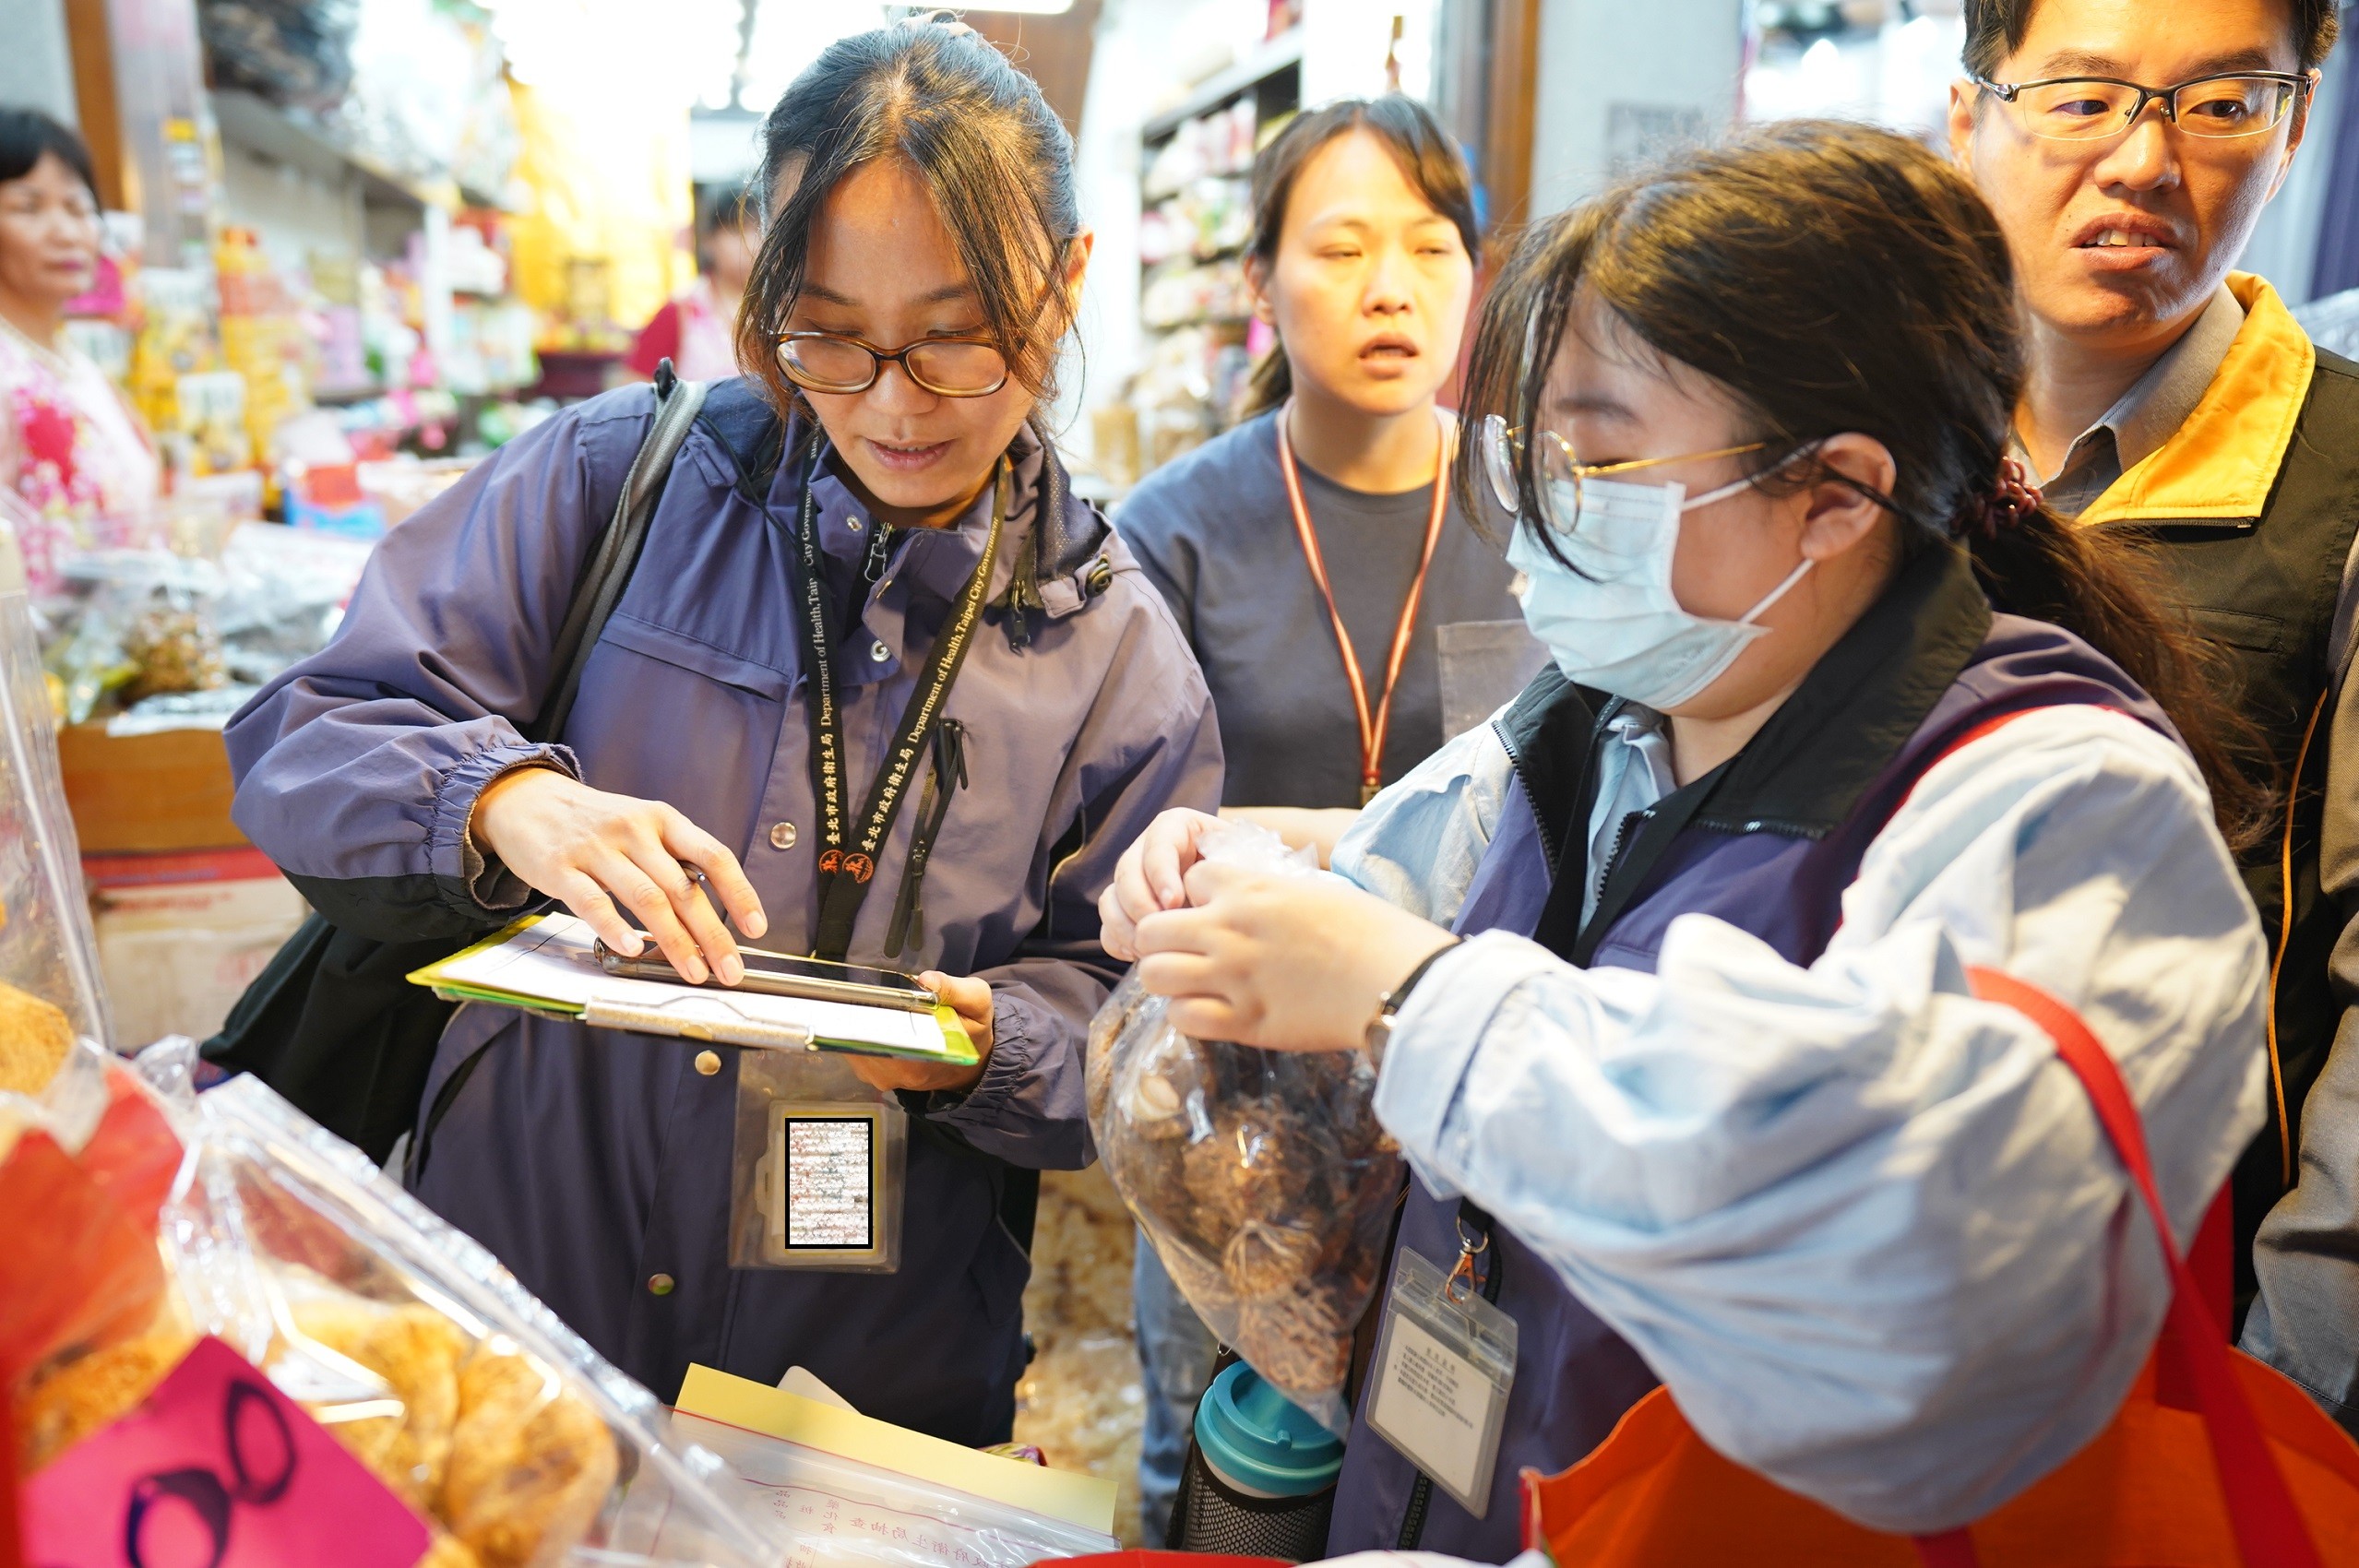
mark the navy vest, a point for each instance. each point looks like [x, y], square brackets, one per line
[1768, 843]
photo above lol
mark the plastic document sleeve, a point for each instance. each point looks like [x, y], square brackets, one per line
[547, 964]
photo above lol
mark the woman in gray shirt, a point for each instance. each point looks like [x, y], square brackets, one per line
[1312, 552]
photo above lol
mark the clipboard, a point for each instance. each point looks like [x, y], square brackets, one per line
[546, 965]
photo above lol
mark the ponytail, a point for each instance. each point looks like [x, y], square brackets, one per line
[1271, 384]
[2109, 595]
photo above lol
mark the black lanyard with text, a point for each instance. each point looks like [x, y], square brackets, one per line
[848, 866]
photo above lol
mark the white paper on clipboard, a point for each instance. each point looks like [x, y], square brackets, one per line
[555, 960]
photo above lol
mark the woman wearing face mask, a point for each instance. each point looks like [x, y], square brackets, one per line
[880, 466]
[1667, 968]
[76, 468]
[1312, 553]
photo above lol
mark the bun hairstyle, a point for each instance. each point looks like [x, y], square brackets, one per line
[1832, 277]
[1429, 160]
[936, 95]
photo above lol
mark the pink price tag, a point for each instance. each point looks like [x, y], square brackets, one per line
[216, 1469]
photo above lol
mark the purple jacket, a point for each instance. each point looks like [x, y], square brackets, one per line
[1777, 837]
[592, 1161]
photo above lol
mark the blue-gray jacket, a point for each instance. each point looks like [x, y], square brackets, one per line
[593, 1161]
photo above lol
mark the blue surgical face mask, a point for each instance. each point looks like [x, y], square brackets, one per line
[1615, 623]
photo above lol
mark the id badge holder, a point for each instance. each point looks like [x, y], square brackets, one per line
[1439, 1382]
[818, 1169]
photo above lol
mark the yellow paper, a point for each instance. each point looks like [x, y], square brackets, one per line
[1058, 1494]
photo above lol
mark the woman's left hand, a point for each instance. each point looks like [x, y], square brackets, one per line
[1285, 963]
[971, 1000]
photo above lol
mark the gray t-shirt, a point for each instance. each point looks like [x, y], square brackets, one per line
[1213, 530]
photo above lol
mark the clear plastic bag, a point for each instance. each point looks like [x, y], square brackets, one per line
[1262, 1178]
[49, 984]
[403, 1338]
[139, 624]
[841, 1511]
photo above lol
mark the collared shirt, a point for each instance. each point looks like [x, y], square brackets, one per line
[1633, 772]
[2146, 416]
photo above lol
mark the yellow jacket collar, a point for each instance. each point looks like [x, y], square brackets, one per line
[2223, 461]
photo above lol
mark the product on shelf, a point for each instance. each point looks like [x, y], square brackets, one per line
[415, 1350]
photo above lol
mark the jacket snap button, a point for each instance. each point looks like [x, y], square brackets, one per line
[659, 1284]
[708, 1063]
[880, 652]
[781, 836]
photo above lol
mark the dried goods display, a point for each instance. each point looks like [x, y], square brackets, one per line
[233, 1217]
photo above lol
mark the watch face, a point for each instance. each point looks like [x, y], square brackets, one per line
[1378, 1036]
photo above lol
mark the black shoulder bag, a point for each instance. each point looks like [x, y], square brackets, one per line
[333, 1024]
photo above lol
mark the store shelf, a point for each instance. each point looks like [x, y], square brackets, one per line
[273, 133]
[1276, 55]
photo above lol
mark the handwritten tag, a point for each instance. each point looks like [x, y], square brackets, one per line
[216, 1469]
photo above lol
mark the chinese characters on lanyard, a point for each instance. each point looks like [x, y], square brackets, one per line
[1373, 726]
[848, 864]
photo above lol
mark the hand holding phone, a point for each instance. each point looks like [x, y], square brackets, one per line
[782, 974]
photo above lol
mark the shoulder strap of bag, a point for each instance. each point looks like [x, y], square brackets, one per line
[608, 570]
[2269, 1528]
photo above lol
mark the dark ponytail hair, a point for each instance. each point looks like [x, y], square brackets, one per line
[1429, 160]
[1832, 277]
[999, 163]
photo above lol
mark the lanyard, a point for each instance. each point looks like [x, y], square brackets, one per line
[1372, 729]
[846, 867]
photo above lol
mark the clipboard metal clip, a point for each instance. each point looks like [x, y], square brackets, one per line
[700, 1017]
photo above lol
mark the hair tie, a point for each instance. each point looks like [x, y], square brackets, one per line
[2011, 500]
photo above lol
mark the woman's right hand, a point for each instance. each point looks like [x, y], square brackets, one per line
[1151, 876]
[585, 849]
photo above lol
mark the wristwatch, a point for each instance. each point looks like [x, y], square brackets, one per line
[1378, 1036]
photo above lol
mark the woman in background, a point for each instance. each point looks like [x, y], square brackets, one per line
[697, 331]
[1312, 553]
[75, 469]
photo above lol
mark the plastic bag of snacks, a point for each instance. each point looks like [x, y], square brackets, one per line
[1262, 1178]
[139, 623]
[404, 1339]
[49, 986]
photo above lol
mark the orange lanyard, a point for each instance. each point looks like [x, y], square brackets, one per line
[1372, 728]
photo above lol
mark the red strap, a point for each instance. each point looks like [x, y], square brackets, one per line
[1372, 728]
[2269, 1528]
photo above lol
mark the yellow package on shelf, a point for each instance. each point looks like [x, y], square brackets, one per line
[1085, 1502]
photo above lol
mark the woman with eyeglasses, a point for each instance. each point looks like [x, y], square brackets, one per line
[779, 732]
[1311, 554]
[1673, 972]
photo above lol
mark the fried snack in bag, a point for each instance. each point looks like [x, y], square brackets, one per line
[1261, 1178]
[404, 1339]
[531, 1463]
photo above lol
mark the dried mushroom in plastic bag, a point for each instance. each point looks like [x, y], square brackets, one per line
[1262, 1179]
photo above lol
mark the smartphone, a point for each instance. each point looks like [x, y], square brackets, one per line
[778, 974]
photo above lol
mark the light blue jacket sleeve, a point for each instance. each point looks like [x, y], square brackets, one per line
[1416, 845]
[1863, 1226]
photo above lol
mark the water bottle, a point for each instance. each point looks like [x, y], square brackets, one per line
[1260, 1476]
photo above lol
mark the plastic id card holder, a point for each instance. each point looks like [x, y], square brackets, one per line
[1438, 1384]
[820, 1167]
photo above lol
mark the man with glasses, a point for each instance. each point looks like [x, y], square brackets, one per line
[2128, 147]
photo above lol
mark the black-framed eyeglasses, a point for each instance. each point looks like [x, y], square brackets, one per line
[947, 367]
[2220, 108]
